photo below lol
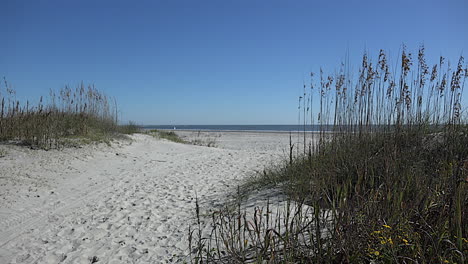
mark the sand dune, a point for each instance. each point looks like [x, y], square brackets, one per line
[128, 203]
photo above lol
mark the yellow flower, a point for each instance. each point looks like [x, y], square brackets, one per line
[377, 232]
[405, 241]
[387, 226]
[384, 240]
[390, 241]
[446, 261]
[374, 252]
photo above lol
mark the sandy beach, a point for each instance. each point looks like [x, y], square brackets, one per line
[131, 202]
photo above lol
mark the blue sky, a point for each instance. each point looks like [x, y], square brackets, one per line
[211, 62]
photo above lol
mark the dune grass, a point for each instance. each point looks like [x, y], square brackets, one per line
[172, 136]
[201, 139]
[388, 185]
[129, 128]
[169, 135]
[66, 117]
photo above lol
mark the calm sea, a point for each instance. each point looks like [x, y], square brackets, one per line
[283, 128]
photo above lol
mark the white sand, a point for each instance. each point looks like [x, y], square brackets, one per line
[128, 203]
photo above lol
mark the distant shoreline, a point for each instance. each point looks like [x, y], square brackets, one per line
[241, 128]
[234, 131]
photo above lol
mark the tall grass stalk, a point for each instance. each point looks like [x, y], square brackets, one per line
[82, 111]
[390, 165]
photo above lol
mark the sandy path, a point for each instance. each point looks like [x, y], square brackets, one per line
[130, 203]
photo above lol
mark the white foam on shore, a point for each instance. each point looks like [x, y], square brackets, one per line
[128, 203]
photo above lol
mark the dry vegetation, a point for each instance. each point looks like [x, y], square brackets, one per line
[69, 116]
[199, 140]
[388, 185]
[169, 135]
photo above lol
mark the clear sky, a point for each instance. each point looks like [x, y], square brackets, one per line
[211, 62]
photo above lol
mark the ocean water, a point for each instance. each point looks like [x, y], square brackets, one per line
[282, 128]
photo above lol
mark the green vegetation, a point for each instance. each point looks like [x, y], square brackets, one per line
[172, 136]
[169, 135]
[66, 118]
[130, 128]
[388, 185]
[204, 140]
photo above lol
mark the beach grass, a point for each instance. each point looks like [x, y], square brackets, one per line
[129, 128]
[168, 135]
[68, 116]
[388, 184]
[199, 140]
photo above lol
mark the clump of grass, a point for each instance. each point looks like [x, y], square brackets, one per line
[407, 182]
[169, 135]
[392, 174]
[202, 140]
[3, 153]
[129, 128]
[80, 112]
[172, 136]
